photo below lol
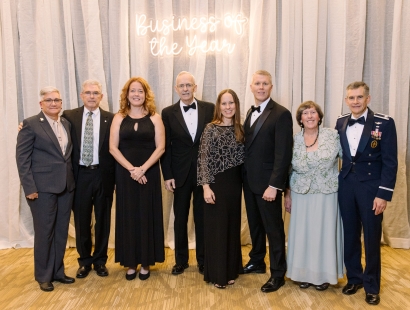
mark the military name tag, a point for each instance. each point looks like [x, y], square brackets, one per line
[373, 144]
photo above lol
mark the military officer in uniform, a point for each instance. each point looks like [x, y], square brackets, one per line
[366, 183]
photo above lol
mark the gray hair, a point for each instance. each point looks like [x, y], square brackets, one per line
[185, 72]
[91, 82]
[47, 90]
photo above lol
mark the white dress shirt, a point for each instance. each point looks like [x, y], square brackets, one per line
[96, 134]
[190, 118]
[354, 133]
[256, 114]
[59, 131]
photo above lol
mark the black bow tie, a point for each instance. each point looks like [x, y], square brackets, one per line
[360, 120]
[187, 107]
[256, 109]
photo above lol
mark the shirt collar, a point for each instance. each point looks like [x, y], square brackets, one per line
[264, 104]
[364, 115]
[96, 112]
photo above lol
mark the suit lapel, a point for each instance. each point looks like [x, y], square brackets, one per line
[201, 121]
[49, 131]
[366, 133]
[103, 128]
[343, 138]
[78, 124]
[64, 122]
[180, 117]
[262, 119]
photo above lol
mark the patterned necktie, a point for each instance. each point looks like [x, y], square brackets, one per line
[88, 141]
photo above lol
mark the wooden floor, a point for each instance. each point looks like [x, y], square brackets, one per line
[18, 290]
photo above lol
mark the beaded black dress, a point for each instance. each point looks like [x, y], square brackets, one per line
[139, 232]
[220, 162]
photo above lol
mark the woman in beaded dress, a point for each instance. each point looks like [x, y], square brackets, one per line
[220, 159]
[137, 141]
[315, 253]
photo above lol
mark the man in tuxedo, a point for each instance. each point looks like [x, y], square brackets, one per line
[268, 153]
[43, 155]
[94, 176]
[366, 183]
[184, 123]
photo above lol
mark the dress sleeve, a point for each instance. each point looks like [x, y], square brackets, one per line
[205, 158]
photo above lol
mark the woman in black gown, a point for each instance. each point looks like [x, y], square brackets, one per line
[137, 141]
[220, 160]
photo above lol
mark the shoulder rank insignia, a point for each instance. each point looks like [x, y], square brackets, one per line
[383, 116]
[344, 115]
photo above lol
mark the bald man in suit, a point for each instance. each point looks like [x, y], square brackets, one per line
[43, 155]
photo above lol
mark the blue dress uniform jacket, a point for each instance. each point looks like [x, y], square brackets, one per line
[376, 157]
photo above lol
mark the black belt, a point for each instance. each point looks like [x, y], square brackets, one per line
[91, 167]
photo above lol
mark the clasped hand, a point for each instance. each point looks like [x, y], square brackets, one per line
[138, 174]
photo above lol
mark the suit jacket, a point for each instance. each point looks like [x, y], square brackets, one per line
[316, 172]
[105, 159]
[41, 164]
[268, 151]
[180, 150]
[375, 161]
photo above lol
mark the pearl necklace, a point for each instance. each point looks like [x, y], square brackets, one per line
[314, 142]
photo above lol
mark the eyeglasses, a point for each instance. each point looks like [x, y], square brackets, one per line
[49, 101]
[185, 85]
[89, 93]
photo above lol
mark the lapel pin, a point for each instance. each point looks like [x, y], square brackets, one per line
[41, 119]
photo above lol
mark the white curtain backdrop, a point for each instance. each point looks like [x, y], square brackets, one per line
[312, 48]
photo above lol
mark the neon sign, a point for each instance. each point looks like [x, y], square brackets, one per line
[162, 46]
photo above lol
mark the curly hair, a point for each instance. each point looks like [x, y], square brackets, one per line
[149, 103]
[217, 119]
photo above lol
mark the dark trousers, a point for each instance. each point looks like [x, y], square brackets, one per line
[89, 192]
[182, 203]
[51, 216]
[265, 219]
[356, 203]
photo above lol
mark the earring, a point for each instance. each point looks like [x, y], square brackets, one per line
[301, 125]
[319, 123]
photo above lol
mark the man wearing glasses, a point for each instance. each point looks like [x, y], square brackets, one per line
[43, 155]
[184, 123]
[94, 176]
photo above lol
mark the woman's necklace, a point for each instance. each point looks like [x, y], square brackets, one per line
[314, 142]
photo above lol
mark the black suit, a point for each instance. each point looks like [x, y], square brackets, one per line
[93, 187]
[179, 162]
[268, 153]
[44, 169]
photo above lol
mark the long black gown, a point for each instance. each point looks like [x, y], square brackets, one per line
[220, 161]
[139, 232]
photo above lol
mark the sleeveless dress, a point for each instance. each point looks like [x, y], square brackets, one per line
[220, 162]
[139, 232]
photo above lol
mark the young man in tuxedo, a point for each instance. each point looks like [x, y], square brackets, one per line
[94, 176]
[366, 183]
[43, 155]
[268, 153]
[184, 123]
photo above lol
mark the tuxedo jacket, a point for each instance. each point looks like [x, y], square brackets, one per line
[375, 161]
[105, 159]
[180, 150]
[268, 148]
[41, 164]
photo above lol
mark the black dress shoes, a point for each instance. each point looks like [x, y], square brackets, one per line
[46, 286]
[351, 289]
[83, 271]
[201, 268]
[143, 276]
[304, 285]
[178, 269]
[272, 285]
[322, 287]
[250, 268]
[131, 276]
[101, 270]
[372, 299]
[65, 280]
